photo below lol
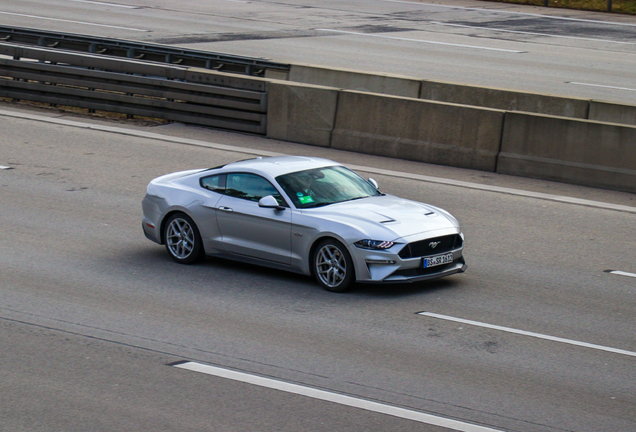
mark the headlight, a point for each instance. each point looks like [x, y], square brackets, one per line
[373, 244]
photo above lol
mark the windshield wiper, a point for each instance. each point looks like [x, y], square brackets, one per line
[356, 198]
[322, 204]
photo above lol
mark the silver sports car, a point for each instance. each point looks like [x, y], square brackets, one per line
[306, 215]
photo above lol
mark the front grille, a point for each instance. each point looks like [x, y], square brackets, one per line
[425, 247]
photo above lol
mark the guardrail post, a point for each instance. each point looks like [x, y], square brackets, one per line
[609, 5]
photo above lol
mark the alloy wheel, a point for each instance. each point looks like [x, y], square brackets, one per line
[180, 238]
[331, 266]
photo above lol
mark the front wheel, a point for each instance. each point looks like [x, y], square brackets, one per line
[183, 240]
[332, 266]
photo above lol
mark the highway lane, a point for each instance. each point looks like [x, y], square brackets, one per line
[78, 279]
[577, 54]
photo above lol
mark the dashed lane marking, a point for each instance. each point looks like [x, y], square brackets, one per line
[602, 86]
[527, 333]
[422, 41]
[106, 4]
[334, 397]
[72, 22]
[621, 273]
[494, 29]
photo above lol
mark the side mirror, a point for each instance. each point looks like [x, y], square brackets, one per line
[270, 202]
[374, 183]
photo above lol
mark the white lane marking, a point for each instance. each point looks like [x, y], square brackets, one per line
[105, 4]
[527, 333]
[513, 13]
[621, 273]
[2, 167]
[531, 33]
[600, 85]
[422, 41]
[366, 169]
[73, 22]
[334, 397]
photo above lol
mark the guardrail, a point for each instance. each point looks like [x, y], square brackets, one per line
[140, 51]
[134, 87]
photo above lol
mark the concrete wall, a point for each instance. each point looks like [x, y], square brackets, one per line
[577, 151]
[396, 85]
[276, 74]
[504, 99]
[574, 151]
[613, 113]
[418, 130]
[301, 113]
[487, 97]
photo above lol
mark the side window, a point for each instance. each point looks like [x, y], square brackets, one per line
[214, 183]
[250, 187]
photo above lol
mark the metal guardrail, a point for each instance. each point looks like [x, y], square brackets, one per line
[134, 87]
[140, 51]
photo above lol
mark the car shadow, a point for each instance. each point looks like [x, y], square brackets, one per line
[157, 262]
[407, 289]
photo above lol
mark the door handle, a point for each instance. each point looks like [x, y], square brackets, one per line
[225, 209]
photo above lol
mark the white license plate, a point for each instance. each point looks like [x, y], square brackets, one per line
[438, 260]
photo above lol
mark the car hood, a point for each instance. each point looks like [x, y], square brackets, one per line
[388, 216]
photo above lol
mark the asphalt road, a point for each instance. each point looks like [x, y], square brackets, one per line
[92, 314]
[546, 50]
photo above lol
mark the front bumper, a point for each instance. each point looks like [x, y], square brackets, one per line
[421, 274]
[386, 266]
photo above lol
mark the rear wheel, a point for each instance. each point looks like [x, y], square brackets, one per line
[183, 240]
[332, 266]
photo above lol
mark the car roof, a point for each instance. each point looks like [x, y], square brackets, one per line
[278, 165]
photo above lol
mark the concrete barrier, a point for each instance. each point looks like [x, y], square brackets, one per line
[612, 112]
[277, 74]
[301, 113]
[568, 150]
[504, 99]
[396, 85]
[418, 130]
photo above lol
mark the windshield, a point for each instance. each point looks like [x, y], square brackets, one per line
[323, 186]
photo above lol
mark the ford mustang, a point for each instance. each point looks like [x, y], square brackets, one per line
[303, 214]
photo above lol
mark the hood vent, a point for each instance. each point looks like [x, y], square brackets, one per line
[430, 214]
[388, 219]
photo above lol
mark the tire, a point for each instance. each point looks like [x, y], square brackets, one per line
[183, 241]
[332, 266]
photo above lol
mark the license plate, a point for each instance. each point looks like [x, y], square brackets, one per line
[438, 260]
